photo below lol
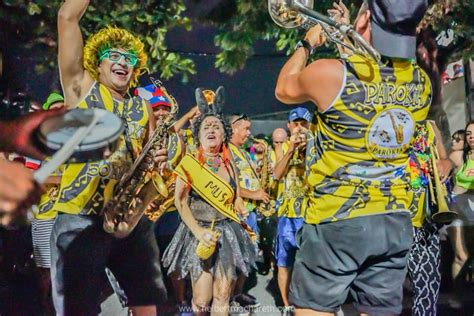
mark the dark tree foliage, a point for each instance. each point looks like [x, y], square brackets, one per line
[32, 24]
[240, 24]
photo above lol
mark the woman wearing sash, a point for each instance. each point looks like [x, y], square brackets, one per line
[207, 199]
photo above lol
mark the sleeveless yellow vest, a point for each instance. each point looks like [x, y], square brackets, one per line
[86, 187]
[48, 199]
[362, 141]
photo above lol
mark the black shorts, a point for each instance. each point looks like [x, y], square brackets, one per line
[81, 250]
[365, 256]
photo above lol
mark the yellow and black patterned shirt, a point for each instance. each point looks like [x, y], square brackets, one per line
[46, 204]
[362, 141]
[86, 187]
[248, 178]
[292, 188]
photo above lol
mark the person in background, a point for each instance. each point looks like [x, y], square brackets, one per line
[250, 191]
[455, 230]
[292, 197]
[43, 221]
[54, 101]
[279, 136]
[461, 231]
[261, 153]
[457, 141]
[165, 214]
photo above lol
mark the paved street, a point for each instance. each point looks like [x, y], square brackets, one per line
[265, 287]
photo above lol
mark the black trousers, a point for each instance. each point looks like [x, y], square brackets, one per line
[423, 269]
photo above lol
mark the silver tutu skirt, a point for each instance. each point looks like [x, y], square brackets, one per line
[235, 252]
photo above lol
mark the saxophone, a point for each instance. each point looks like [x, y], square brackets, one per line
[142, 186]
[266, 209]
[160, 204]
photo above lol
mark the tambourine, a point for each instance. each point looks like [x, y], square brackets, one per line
[80, 135]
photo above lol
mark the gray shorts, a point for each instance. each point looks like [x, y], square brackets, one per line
[365, 256]
[80, 252]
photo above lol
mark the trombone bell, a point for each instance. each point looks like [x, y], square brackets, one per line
[299, 13]
[444, 217]
[285, 15]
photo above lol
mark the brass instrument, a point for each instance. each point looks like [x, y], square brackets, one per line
[299, 13]
[142, 185]
[266, 209]
[161, 203]
[174, 104]
[438, 193]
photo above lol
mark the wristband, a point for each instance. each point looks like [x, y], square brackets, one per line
[306, 45]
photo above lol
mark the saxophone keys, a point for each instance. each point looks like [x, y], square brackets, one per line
[108, 224]
[122, 227]
[109, 227]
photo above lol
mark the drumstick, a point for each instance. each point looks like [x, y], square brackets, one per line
[68, 148]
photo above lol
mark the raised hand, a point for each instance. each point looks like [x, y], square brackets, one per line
[19, 134]
[339, 13]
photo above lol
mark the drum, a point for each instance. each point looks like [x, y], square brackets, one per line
[81, 135]
[100, 142]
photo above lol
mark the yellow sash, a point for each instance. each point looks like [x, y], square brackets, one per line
[210, 187]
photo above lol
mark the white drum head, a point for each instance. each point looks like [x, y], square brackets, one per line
[55, 132]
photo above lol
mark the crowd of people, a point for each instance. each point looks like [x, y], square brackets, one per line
[339, 202]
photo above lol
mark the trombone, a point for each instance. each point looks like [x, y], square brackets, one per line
[298, 13]
[438, 193]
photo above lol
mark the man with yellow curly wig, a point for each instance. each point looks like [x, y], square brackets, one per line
[99, 75]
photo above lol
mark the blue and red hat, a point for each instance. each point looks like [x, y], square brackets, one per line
[153, 95]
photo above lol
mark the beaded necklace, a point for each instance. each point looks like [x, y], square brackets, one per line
[213, 163]
[419, 158]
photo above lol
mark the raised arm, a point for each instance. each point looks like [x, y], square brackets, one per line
[283, 160]
[318, 82]
[457, 158]
[193, 113]
[70, 50]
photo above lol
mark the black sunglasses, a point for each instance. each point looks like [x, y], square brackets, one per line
[240, 116]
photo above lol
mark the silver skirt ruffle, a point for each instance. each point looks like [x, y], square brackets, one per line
[235, 252]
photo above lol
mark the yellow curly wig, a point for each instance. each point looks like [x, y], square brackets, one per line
[113, 37]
